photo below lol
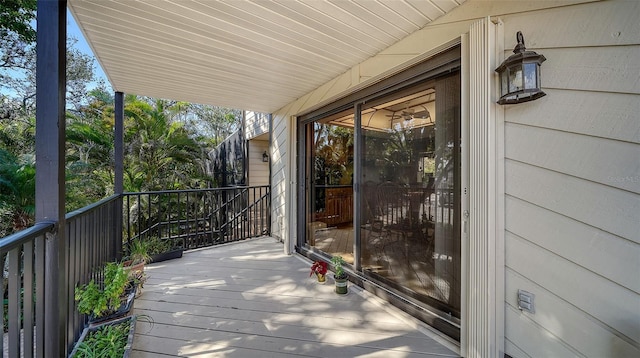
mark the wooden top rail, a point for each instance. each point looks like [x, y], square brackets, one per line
[15, 240]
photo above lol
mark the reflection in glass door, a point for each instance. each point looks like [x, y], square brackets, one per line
[410, 237]
[330, 189]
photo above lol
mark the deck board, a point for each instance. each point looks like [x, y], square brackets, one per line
[249, 299]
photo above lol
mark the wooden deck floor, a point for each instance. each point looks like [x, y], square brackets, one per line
[249, 299]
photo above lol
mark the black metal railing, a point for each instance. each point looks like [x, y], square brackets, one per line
[92, 235]
[197, 218]
[95, 234]
[23, 259]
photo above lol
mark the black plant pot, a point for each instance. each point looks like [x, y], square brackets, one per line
[169, 255]
[129, 343]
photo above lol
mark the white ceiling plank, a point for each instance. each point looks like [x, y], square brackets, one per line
[428, 8]
[245, 54]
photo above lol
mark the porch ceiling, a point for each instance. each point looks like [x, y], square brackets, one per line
[247, 54]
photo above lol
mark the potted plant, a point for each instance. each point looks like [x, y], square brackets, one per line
[138, 255]
[339, 275]
[163, 249]
[109, 298]
[109, 339]
[319, 268]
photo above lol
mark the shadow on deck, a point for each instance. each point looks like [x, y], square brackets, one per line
[249, 299]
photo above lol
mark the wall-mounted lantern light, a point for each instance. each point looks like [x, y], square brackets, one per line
[520, 75]
[265, 157]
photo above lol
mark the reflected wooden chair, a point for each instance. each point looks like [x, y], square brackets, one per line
[373, 225]
[393, 211]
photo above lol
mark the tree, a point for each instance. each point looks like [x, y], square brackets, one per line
[16, 17]
[162, 153]
[17, 191]
[216, 123]
[17, 37]
[90, 164]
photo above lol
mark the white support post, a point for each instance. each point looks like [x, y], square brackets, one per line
[483, 334]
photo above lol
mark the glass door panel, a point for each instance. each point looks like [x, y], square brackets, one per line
[410, 237]
[330, 186]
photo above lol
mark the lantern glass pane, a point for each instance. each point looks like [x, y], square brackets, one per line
[530, 75]
[515, 78]
[504, 82]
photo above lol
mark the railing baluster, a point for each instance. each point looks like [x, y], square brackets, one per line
[138, 219]
[40, 255]
[148, 221]
[128, 214]
[27, 315]
[187, 216]
[71, 276]
[13, 294]
[2, 318]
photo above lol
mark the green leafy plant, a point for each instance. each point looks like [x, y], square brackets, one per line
[99, 299]
[139, 251]
[107, 341]
[159, 246]
[338, 263]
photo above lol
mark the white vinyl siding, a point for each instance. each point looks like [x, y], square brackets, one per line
[572, 183]
[258, 170]
[572, 173]
[255, 124]
[280, 176]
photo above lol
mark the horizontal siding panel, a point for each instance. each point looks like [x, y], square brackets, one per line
[613, 210]
[256, 124]
[601, 23]
[258, 170]
[598, 251]
[531, 338]
[568, 323]
[604, 69]
[514, 351]
[611, 304]
[604, 161]
[606, 115]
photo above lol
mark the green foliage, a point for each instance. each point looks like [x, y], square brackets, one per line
[101, 299]
[167, 141]
[163, 153]
[17, 191]
[16, 17]
[139, 251]
[338, 263]
[108, 341]
[333, 154]
[215, 123]
[159, 246]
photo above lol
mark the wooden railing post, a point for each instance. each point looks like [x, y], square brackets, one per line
[50, 164]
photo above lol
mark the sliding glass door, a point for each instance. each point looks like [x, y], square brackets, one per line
[382, 189]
